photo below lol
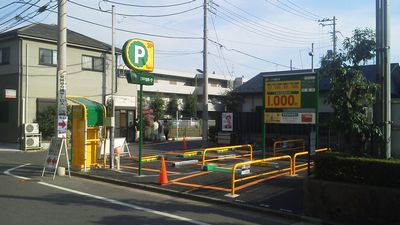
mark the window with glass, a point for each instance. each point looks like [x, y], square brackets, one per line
[47, 57]
[92, 63]
[4, 56]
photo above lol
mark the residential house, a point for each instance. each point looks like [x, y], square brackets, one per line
[28, 67]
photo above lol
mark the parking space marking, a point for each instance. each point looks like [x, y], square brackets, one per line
[147, 169]
[189, 176]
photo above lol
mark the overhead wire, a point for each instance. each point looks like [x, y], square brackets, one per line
[220, 49]
[291, 12]
[299, 11]
[301, 8]
[150, 6]
[129, 31]
[257, 31]
[285, 29]
[136, 15]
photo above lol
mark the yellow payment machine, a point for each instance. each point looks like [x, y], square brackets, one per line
[88, 132]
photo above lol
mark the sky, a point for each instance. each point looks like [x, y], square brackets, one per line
[245, 37]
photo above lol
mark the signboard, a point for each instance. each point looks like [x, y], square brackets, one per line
[57, 145]
[290, 98]
[62, 106]
[290, 91]
[290, 117]
[283, 94]
[227, 121]
[140, 77]
[10, 93]
[62, 126]
[138, 55]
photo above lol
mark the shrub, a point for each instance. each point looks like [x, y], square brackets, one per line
[359, 170]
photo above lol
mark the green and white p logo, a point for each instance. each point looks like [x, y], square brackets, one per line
[138, 55]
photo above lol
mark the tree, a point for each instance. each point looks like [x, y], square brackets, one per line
[157, 104]
[361, 46]
[232, 101]
[45, 120]
[350, 92]
[172, 106]
[190, 107]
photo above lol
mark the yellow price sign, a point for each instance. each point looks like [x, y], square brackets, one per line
[283, 94]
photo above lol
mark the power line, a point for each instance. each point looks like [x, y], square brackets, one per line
[291, 12]
[301, 8]
[247, 54]
[299, 11]
[136, 15]
[150, 6]
[286, 29]
[128, 31]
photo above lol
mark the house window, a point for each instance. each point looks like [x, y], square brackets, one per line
[4, 56]
[173, 82]
[92, 63]
[47, 57]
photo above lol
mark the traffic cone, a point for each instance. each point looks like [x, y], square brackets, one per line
[184, 144]
[163, 179]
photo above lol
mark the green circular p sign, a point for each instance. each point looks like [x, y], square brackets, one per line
[138, 55]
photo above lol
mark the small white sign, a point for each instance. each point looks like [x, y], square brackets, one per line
[62, 126]
[10, 93]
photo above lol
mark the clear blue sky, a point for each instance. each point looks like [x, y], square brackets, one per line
[246, 37]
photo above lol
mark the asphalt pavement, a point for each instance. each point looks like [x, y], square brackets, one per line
[274, 193]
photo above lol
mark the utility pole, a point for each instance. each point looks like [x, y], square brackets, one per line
[112, 128]
[61, 71]
[312, 57]
[383, 72]
[325, 22]
[205, 79]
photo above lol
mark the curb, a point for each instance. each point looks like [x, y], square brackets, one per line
[201, 198]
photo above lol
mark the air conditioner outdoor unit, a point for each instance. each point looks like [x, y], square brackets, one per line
[32, 142]
[31, 128]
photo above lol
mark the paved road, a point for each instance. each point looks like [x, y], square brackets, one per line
[26, 198]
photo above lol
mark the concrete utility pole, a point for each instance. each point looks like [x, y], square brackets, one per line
[205, 79]
[323, 22]
[383, 72]
[312, 57]
[112, 128]
[61, 67]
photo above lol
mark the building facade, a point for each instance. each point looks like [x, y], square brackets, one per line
[28, 68]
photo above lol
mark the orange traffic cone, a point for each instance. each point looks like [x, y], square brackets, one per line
[184, 144]
[163, 179]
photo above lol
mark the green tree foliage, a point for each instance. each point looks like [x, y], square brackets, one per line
[190, 107]
[172, 106]
[45, 120]
[158, 106]
[232, 101]
[361, 46]
[350, 92]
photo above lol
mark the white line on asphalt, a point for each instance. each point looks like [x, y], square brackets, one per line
[8, 172]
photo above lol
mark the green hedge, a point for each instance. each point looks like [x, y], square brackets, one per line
[359, 170]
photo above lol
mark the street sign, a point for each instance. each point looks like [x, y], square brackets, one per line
[140, 77]
[138, 55]
[62, 126]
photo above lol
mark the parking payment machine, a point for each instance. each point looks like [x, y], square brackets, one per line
[88, 132]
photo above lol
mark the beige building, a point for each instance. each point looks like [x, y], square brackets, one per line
[28, 67]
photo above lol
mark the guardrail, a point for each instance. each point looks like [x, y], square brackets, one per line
[302, 147]
[204, 160]
[304, 153]
[241, 164]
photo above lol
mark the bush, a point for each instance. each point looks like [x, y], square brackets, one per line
[358, 170]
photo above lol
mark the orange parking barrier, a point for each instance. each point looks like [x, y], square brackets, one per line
[293, 141]
[248, 163]
[304, 153]
[250, 154]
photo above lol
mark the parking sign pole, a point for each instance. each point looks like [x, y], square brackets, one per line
[140, 129]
